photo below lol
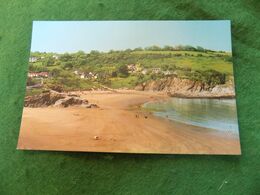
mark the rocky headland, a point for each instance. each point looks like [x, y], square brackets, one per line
[186, 88]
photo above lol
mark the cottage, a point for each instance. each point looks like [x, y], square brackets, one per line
[144, 71]
[131, 67]
[167, 72]
[55, 57]
[82, 76]
[92, 75]
[38, 74]
[156, 70]
[33, 59]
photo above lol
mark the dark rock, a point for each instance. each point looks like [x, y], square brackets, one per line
[70, 101]
[43, 100]
[92, 106]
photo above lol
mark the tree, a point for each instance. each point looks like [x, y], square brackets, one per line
[67, 65]
[48, 61]
[55, 72]
[128, 50]
[123, 70]
[153, 48]
[94, 52]
[199, 48]
[213, 77]
[114, 74]
[65, 57]
[138, 49]
[168, 48]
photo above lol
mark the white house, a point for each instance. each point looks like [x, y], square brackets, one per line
[55, 57]
[167, 72]
[82, 75]
[144, 71]
[33, 59]
[156, 70]
[38, 74]
[133, 68]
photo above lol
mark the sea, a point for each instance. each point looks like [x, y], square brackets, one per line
[218, 114]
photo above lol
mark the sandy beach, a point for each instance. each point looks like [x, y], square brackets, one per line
[118, 125]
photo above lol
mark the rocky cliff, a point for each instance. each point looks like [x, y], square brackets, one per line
[177, 87]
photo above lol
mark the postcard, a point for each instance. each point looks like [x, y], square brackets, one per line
[158, 87]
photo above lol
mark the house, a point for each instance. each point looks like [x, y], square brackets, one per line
[82, 76]
[55, 57]
[91, 75]
[38, 74]
[33, 59]
[144, 71]
[167, 72]
[156, 70]
[131, 67]
[134, 68]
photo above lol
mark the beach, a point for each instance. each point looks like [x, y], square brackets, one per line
[118, 125]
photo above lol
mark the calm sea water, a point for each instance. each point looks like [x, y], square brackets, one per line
[219, 114]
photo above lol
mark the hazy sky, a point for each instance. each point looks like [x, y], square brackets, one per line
[72, 36]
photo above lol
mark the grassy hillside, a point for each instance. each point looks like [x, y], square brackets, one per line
[112, 68]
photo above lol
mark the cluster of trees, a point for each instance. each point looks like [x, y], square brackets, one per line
[164, 48]
[209, 77]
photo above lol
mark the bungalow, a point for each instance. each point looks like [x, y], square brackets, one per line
[144, 71]
[131, 67]
[55, 57]
[167, 72]
[38, 74]
[91, 75]
[33, 59]
[82, 76]
[156, 70]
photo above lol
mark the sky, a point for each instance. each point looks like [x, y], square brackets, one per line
[73, 36]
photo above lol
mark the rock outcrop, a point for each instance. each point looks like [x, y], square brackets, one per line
[177, 87]
[56, 99]
[44, 99]
[70, 101]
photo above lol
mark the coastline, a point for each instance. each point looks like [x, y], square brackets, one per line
[120, 125]
[210, 96]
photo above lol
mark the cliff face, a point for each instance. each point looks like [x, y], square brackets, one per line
[187, 88]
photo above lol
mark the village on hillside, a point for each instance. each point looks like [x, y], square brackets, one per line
[127, 69]
[131, 68]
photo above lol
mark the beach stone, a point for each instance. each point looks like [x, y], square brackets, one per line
[92, 106]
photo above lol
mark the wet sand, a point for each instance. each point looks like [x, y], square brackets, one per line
[119, 125]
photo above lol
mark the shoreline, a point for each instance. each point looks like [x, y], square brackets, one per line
[121, 126]
[177, 95]
[204, 97]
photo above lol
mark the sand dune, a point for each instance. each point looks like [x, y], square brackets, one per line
[119, 125]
